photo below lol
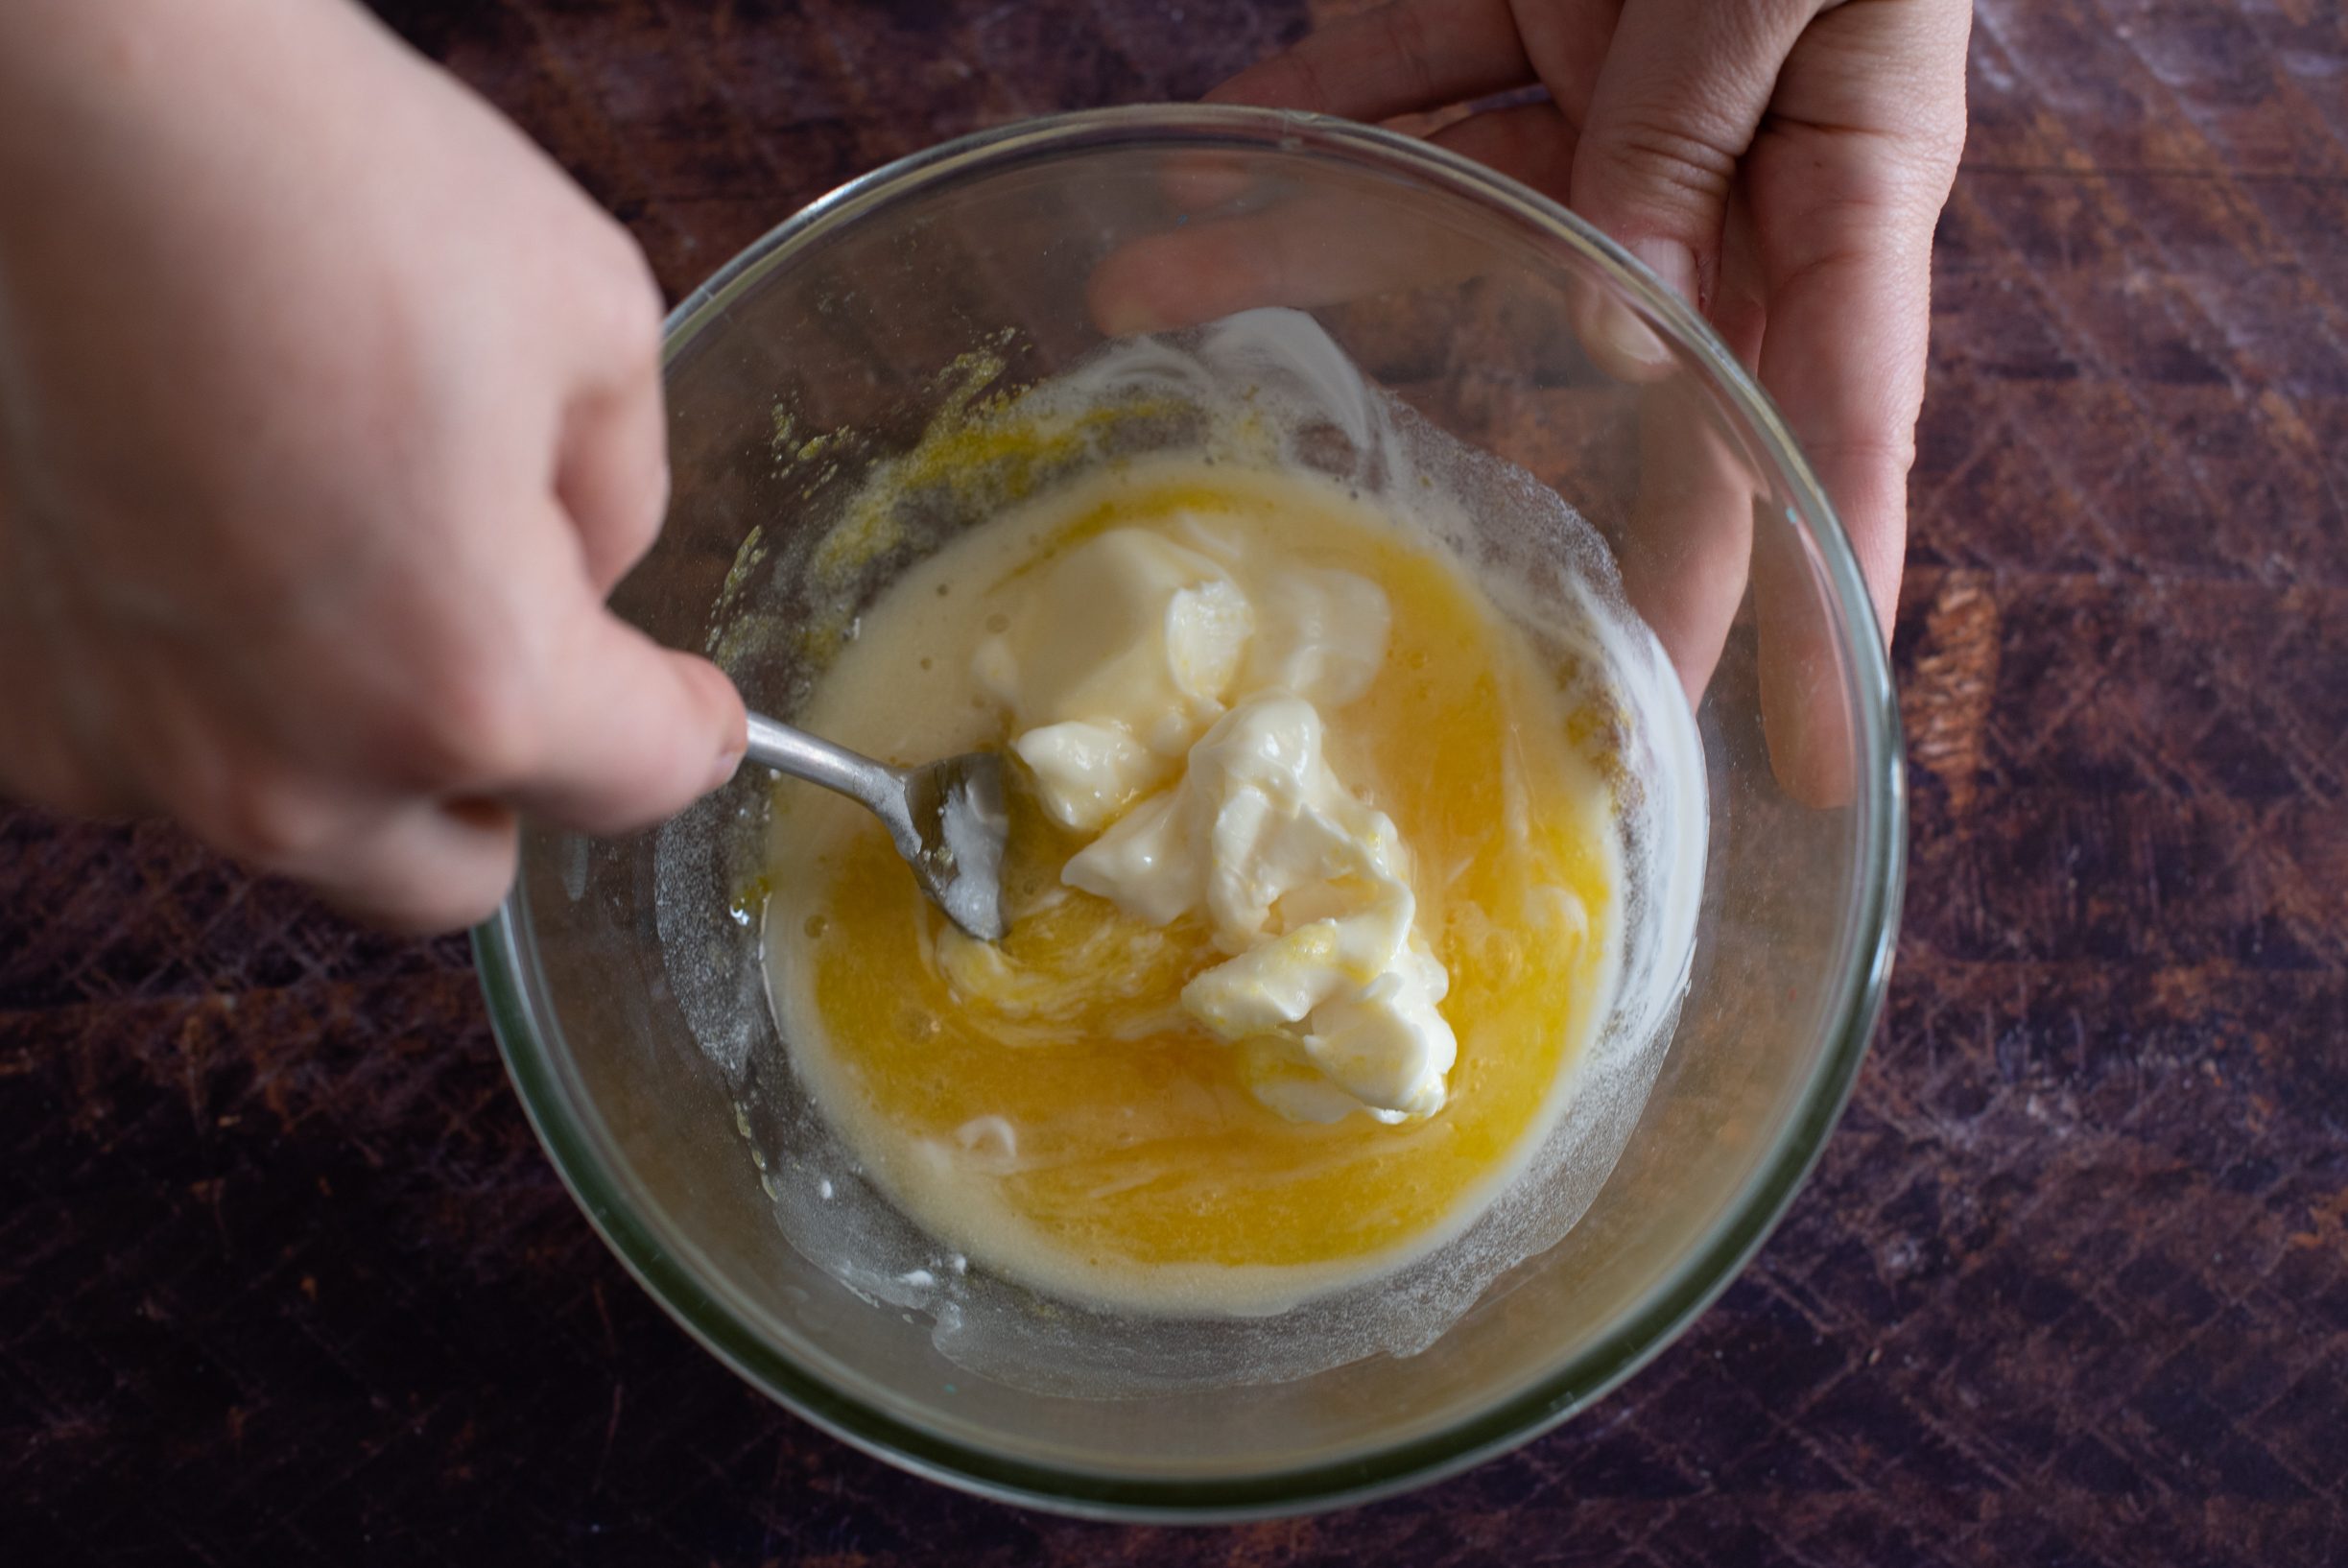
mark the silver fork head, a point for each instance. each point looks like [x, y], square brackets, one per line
[958, 818]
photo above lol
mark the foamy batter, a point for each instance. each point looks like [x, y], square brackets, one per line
[1064, 1108]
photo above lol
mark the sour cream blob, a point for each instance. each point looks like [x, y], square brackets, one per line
[1137, 664]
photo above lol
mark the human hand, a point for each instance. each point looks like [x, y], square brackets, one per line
[329, 413]
[1778, 163]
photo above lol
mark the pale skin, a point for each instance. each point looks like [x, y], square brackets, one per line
[1779, 163]
[330, 409]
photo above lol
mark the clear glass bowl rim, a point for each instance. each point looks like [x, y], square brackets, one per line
[526, 1027]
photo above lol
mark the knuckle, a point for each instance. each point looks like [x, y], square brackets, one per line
[635, 326]
[1886, 453]
[475, 720]
[627, 297]
[1660, 155]
[631, 521]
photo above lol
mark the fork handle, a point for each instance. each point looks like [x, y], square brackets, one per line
[795, 751]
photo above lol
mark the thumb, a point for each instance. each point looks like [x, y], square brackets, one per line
[1683, 88]
[635, 731]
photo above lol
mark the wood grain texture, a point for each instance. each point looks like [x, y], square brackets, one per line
[283, 1277]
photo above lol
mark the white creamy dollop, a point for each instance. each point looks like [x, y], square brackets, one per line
[1137, 661]
[1123, 657]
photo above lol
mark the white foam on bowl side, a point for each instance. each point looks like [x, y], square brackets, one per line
[1547, 569]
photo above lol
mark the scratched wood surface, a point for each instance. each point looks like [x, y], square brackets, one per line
[283, 1277]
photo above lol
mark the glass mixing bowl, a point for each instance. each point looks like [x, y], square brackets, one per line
[623, 975]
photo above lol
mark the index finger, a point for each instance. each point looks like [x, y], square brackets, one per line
[1845, 193]
[1307, 250]
[1405, 56]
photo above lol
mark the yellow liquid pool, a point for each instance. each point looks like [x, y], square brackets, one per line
[1047, 1107]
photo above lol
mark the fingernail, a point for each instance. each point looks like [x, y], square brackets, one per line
[1632, 338]
[1199, 181]
[1121, 290]
[1671, 263]
[1126, 318]
[728, 762]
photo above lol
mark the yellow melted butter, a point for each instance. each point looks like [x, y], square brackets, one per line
[1047, 1105]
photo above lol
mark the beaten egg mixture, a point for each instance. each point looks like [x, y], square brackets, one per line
[1313, 887]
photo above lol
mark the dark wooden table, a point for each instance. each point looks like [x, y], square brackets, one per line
[283, 1276]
